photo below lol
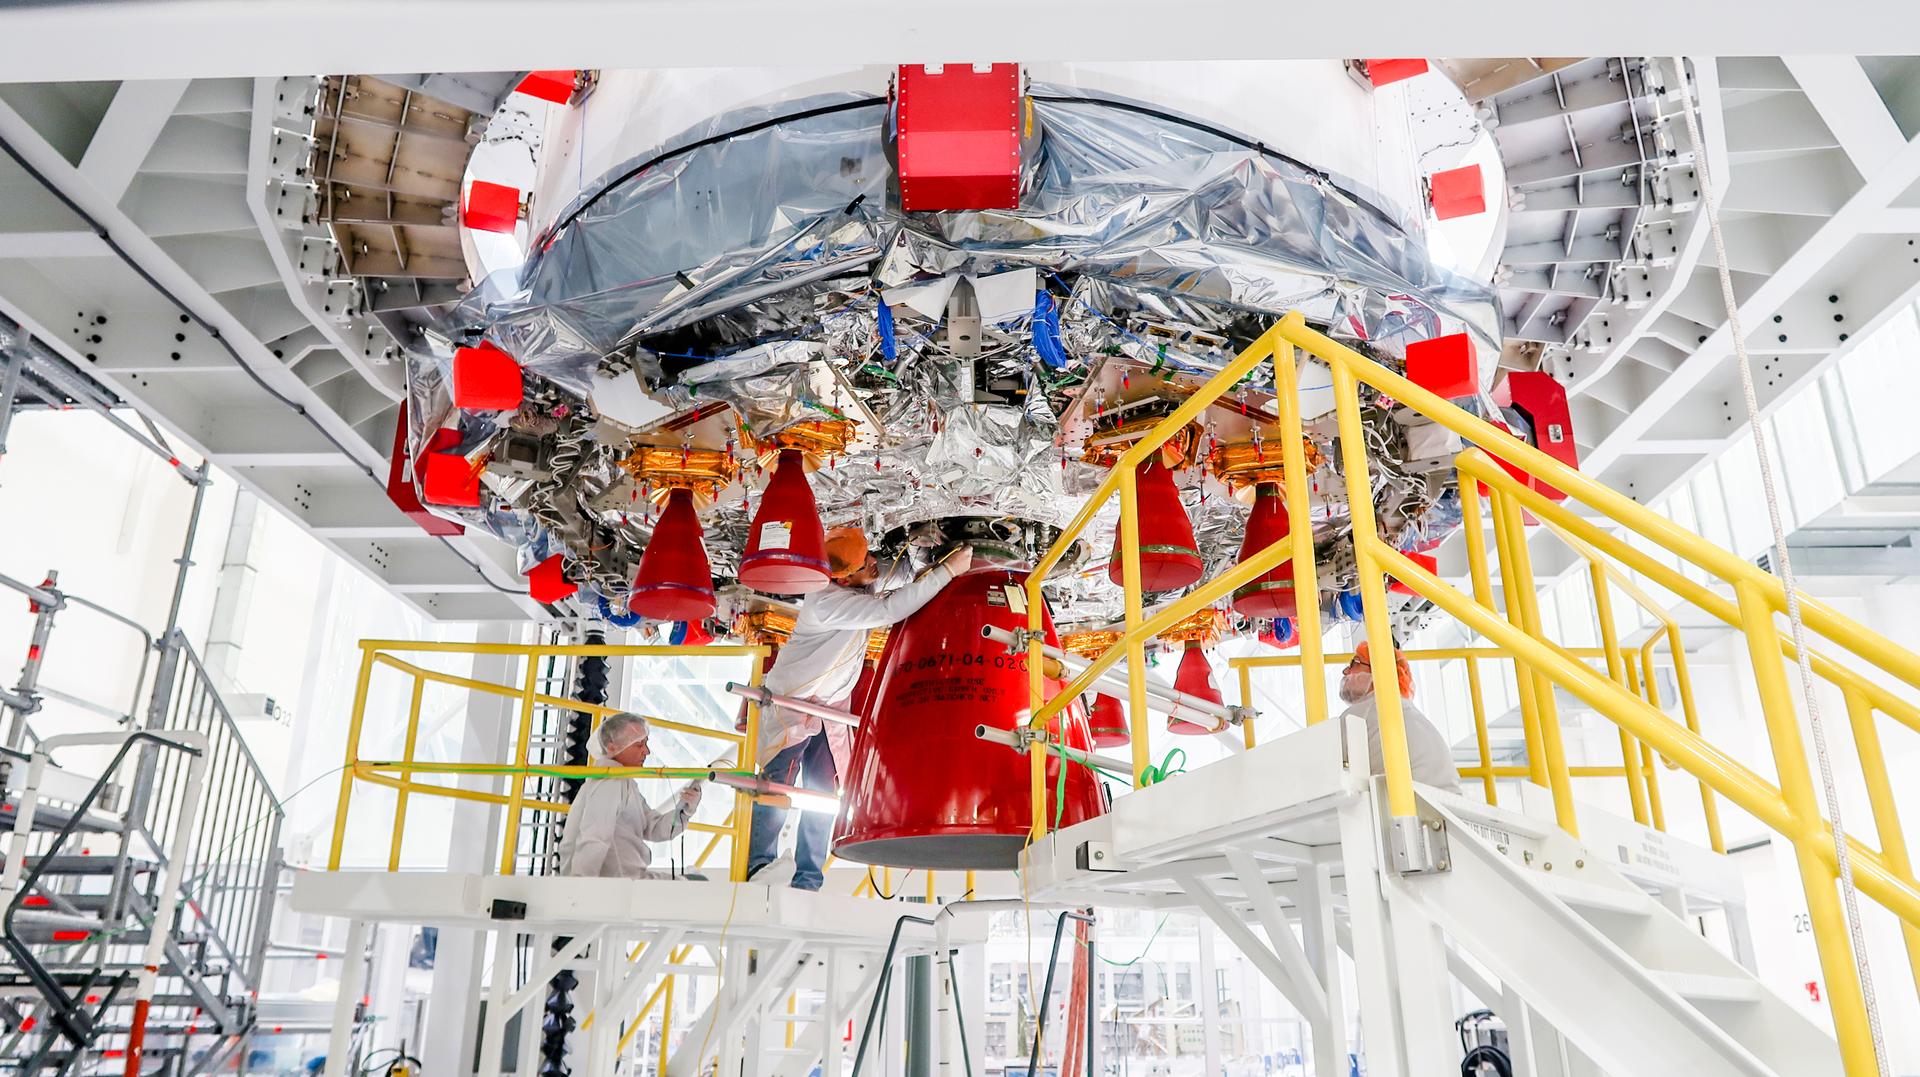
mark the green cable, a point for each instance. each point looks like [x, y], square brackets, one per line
[668, 773]
[1166, 769]
[1137, 958]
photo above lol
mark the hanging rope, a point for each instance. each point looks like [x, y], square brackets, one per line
[1783, 566]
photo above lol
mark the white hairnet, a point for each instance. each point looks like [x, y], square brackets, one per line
[620, 731]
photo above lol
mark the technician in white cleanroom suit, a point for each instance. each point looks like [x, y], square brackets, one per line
[610, 823]
[821, 663]
[1428, 755]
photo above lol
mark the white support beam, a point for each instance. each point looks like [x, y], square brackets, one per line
[126, 133]
[1286, 947]
[58, 244]
[213, 38]
[1250, 946]
[1851, 108]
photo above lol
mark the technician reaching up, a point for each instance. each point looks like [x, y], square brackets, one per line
[1428, 754]
[821, 663]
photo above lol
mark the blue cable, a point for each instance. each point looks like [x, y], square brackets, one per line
[1158, 350]
[889, 346]
[624, 619]
[1046, 331]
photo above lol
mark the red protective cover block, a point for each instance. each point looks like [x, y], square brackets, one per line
[554, 86]
[485, 379]
[546, 582]
[1445, 366]
[1382, 72]
[491, 207]
[1457, 192]
[448, 478]
[959, 137]
[400, 479]
[1544, 402]
[1426, 561]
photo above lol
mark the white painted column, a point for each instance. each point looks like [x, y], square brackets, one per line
[353, 969]
[453, 1009]
[1374, 971]
[1209, 1001]
[1314, 894]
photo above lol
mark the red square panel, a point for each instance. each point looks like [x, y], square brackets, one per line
[491, 207]
[485, 379]
[546, 583]
[1426, 561]
[1445, 366]
[1457, 192]
[448, 478]
[554, 86]
[1544, 401]
[400, 480]
[1382, 72]
[959, 137]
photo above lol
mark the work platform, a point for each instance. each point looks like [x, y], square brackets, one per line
[1591, 952]
[566, 906]
[765, 945]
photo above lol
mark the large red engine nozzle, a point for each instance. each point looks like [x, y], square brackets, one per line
[922, 790]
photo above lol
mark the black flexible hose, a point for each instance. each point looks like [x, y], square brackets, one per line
[1486, 1055]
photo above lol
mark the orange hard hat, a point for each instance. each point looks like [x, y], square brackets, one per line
[846, 551]
[1362, 653]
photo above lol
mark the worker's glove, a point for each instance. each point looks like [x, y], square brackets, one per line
[959, 561]
[690, 796]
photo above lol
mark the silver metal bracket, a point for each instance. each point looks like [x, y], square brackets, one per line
[1418, 844]
[1241, 715]
[1021, 639]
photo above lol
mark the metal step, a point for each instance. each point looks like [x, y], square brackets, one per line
[48, 818]
[70, 864]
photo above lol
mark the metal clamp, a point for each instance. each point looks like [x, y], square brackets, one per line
[1022, 639]
[1418, 845]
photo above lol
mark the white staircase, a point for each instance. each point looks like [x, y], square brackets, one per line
[1283, 847]
[1629, 984]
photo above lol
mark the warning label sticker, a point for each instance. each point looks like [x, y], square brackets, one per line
[776, 535]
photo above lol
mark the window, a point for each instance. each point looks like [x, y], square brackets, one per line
[996, 1039]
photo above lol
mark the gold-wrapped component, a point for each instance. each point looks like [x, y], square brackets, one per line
[817, 440]
[1243, 465]
[1203, 627]
[667, 468]
[1105, 446]
[763, 627]
[1089, 644]
[758, 628]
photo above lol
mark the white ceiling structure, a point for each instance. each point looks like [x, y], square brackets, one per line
[190, 171]
[142, 39]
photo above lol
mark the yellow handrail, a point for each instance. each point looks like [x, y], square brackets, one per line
[1626, 694]
[400, 774]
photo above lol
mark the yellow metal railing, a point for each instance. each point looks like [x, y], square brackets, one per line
[1638, 769]
[403, 775]
[1517, 630]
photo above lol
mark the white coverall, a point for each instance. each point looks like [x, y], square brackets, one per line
[822, 658]
[1428, 754]
[609, 826]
